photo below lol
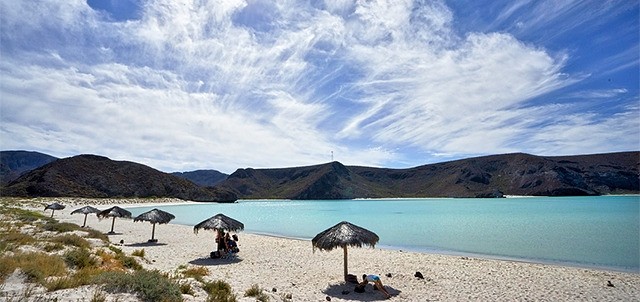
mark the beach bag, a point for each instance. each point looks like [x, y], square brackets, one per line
[359, 288]
[215, 255]
[351, 279]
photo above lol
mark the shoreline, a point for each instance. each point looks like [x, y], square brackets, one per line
[443, 252]
[291, 266]
[151, 202]
[451, 252]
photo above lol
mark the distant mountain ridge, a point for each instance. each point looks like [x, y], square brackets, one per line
[15, 163]
[99, 177]
[487, 176]
[206, 178]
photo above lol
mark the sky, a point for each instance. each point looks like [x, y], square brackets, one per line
[182, 85]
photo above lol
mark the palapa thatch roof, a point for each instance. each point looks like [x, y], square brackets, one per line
[114, 212]
[344, 234]
[85, 210]
[155, 216]
[54, 206]
[219, 222]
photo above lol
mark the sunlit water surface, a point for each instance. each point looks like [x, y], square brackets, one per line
[581, 231]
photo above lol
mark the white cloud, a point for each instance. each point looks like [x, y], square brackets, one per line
[231, 84]
[618, 132]
[339, 7]
[598, 94]
[446, 94]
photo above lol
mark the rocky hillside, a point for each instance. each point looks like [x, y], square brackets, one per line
[15, 163]
[99, 177]
[205, 178]
[327, 181]
[488, 176]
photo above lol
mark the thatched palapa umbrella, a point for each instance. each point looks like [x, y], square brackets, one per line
[53, 207]
[219, 222]
[86, 210]
[114, 212]
[155, 216]
[342, 235]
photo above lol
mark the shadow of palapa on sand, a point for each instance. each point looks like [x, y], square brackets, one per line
[112, 233]
[370, 294]
[213, 262]
[146, 244]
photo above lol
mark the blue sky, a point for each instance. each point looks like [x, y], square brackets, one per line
[183, 85]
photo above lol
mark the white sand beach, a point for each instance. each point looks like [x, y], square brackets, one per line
[286, 266]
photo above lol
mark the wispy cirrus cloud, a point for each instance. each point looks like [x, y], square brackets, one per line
[596, 94]
[183, 85]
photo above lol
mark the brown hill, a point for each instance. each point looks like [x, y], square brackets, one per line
[100, 177]
[15, 163]
[205, 178]
[488, 176]
[326, 181]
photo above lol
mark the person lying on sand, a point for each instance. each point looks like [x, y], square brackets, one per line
[376, 282]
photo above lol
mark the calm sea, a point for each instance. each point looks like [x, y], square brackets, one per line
[602, 232]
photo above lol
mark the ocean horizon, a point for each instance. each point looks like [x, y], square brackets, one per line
[595, 231]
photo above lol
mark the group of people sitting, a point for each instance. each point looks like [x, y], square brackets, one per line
[227, 245]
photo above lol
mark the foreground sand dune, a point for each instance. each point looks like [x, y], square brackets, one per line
[291, 267]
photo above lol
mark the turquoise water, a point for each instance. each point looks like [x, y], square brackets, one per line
[581, 231]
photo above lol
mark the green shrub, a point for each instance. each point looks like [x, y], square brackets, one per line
[129, 262]
[116, 250]
[148, 285]
[138, 253]
[196, 273]
[26, 216]
[91, 233]
[60, 227]
[60, 283]
[7, 266]
[6, 225]
[256, 292]
[98, 296]
[72, 239]
[253, 291]
[12, 239]
[49, 265]
[79, 258]
[219, 291]
[83, 276]
[36, 266]
[33, 274]
[4, 247]
[185, 288]
[51, 247]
